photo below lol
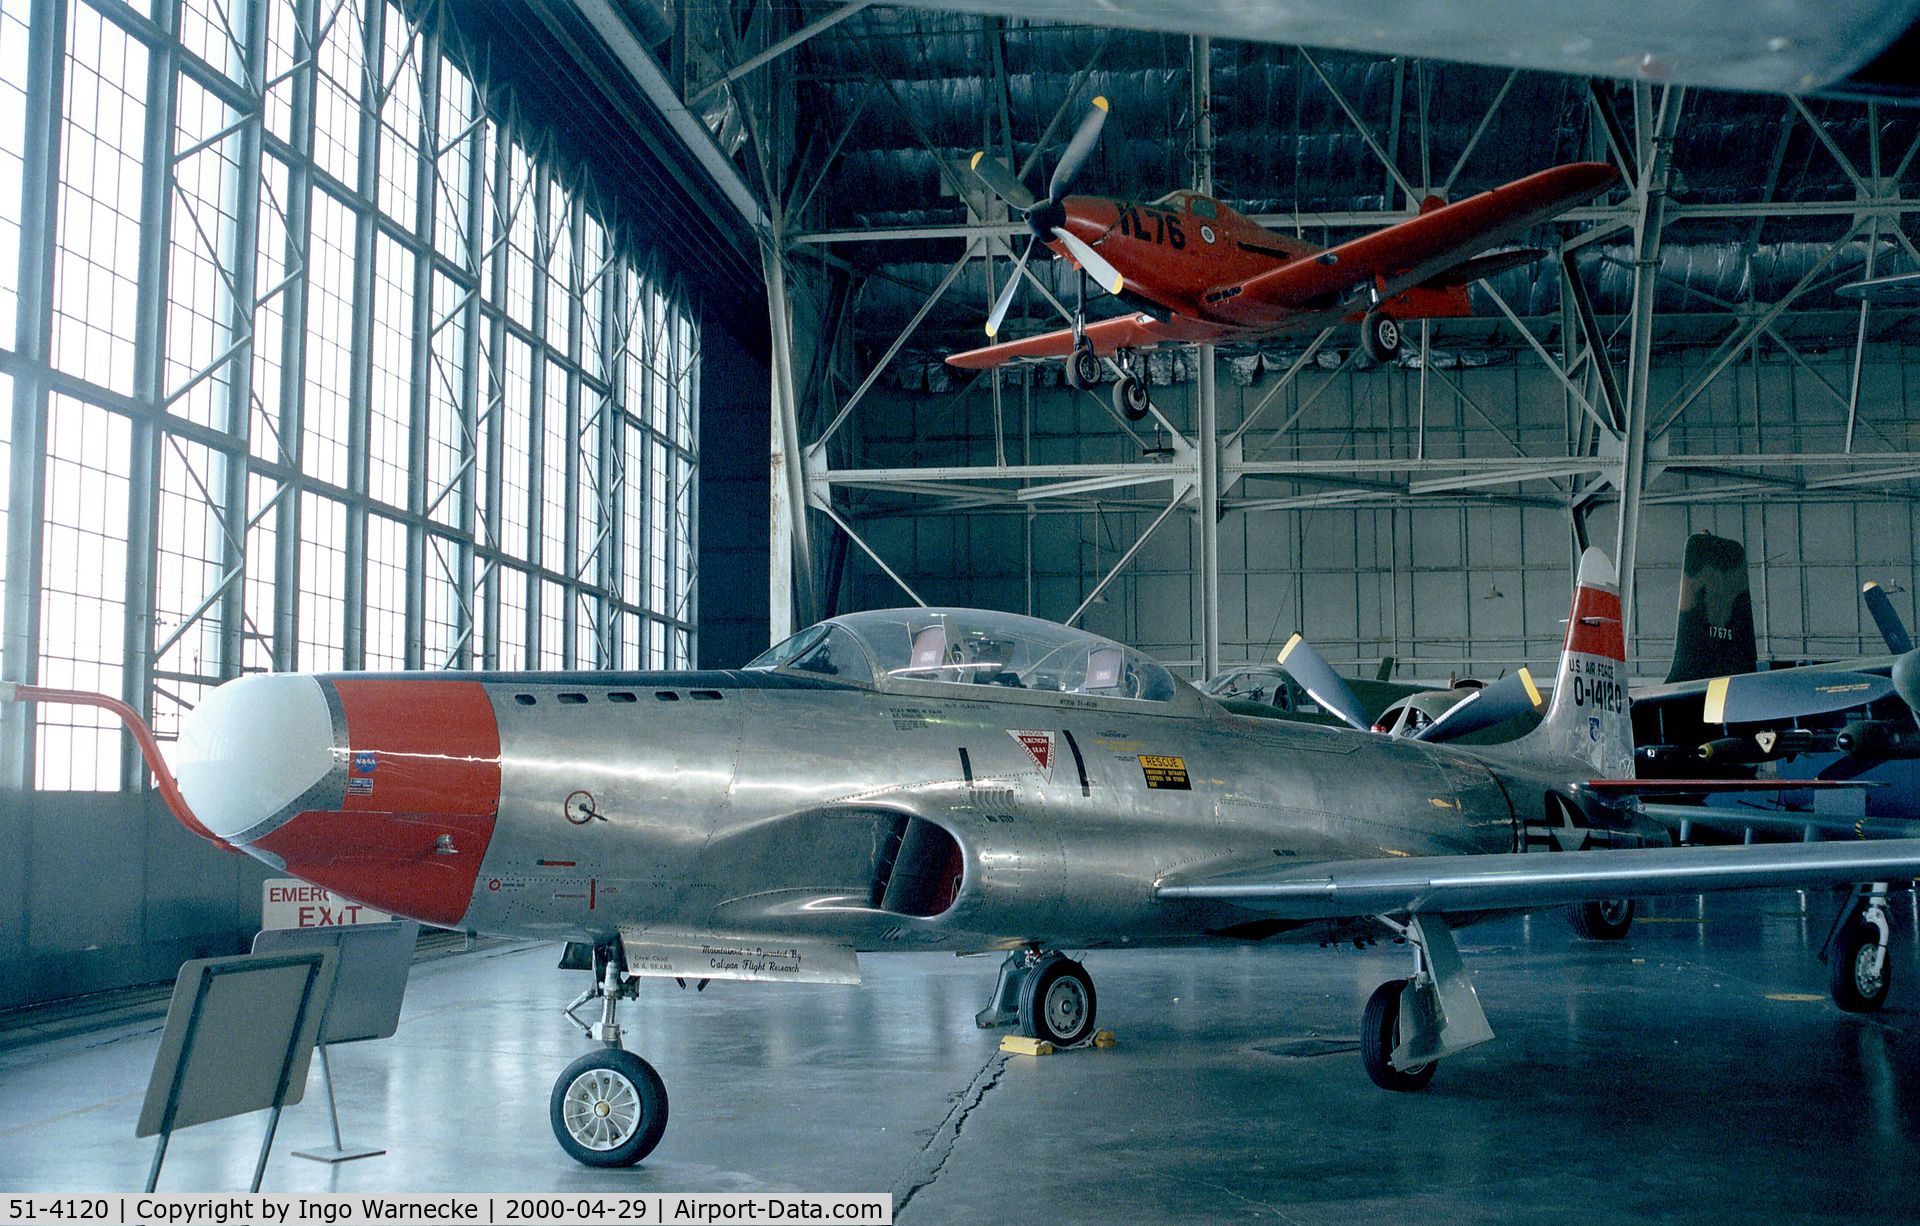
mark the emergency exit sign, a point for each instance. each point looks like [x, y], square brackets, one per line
[289, 903]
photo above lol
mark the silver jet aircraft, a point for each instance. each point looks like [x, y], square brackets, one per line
[940, 779]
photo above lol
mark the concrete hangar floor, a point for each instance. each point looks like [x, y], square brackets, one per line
[1695, 1070]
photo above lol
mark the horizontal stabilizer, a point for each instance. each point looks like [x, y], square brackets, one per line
[1526, 880]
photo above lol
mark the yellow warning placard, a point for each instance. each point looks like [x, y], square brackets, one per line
[1165, 771]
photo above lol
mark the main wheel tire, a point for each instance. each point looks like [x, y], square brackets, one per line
[1380, 1034]
[1083, 368]
[608, 1109]
[1130, 399]
[1057, 1002]
[1856, 986]
[1380, 336]
[1607, 920]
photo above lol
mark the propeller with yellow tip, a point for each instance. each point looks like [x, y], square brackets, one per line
[1047, 218]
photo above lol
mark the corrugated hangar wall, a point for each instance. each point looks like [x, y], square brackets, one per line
[1473, 586]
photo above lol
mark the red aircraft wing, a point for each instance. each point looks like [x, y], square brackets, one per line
[1125, 332]
[1413, 251]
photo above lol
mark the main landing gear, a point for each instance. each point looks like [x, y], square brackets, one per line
[1409, 1024]
[1859, 972]
[609, 1108]
[1049, 994]
[1380, 336]
[1606, 920]
[1130, 398]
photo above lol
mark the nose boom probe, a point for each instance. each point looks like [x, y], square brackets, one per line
[142, 736]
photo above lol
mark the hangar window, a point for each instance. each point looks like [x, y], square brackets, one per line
[83, 592]
[102, 177]
[387, 384]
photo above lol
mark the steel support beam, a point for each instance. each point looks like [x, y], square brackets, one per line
[780, 48]
[790, 574]
[1654, 161]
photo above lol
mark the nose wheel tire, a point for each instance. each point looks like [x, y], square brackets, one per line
[1057, 1002]
[1130, 399]
[608, 1109]
[1380, 336]
[1380, 1034]
[1859, 973]
[1083, 368]
[1607, 920]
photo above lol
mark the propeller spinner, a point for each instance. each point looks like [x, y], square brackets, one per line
[1048, 218]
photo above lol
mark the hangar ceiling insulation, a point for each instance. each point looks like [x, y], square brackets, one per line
[1285, 151]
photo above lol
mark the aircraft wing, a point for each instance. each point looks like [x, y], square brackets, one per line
[1416, 250]
[1524, 880]
[1124, 332]
[1781, 693]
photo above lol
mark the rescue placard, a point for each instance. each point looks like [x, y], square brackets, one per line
[1165, 771]
[287, 902]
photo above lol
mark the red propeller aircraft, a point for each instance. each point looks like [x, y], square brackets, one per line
[1197, 272]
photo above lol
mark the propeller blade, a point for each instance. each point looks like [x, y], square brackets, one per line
[1483, 708]
[1106, 275]
[1077, 150]
[994, 173]
[1317, 677]
[1790, 694]
[1892, 629]
[1906, 679]
[1007, 292]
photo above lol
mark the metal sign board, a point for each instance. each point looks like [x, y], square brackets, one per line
[695, 955]
[239, 1036]
[370, 980]
[288, 902]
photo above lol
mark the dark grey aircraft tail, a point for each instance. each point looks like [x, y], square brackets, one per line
[1714, 634]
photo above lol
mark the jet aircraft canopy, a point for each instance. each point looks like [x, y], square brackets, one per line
[969, 647]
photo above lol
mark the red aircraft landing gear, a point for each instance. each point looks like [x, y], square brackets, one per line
[1083, 368]
[1859, 973]
[609, 1108]
[1380, 336]
[1130, 398]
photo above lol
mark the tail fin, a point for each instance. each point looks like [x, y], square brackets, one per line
[1587, 720]
[1714, 634]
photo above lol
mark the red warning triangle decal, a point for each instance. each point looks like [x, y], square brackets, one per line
[1039, 747]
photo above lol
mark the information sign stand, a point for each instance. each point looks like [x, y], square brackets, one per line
[369, 986]
[239, 1037]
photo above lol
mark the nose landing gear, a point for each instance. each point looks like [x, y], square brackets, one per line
[609, 1108]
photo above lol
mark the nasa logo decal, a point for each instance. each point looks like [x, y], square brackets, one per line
[1206, 232]
[364, 761]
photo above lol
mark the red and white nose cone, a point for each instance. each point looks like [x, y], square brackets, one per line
[251, 748]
